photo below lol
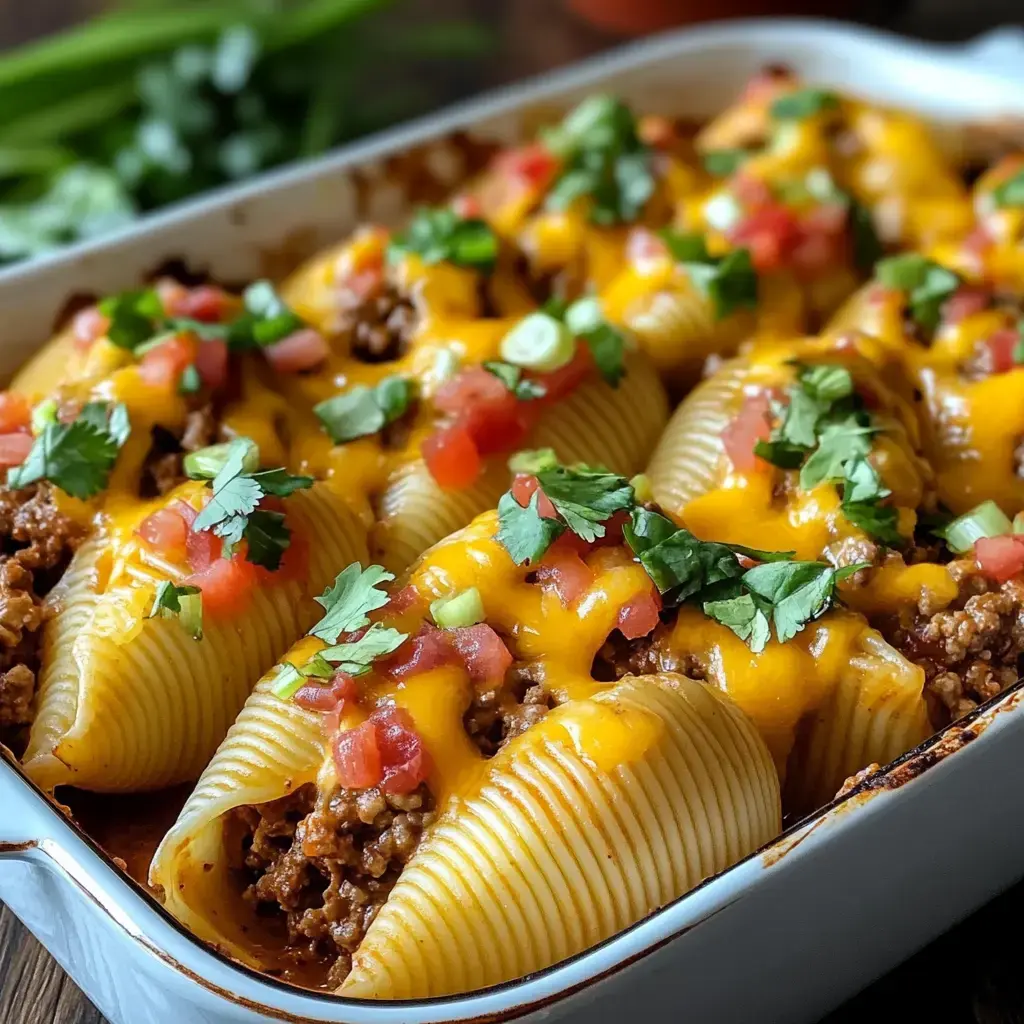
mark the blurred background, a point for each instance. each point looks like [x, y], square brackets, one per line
[111, 109]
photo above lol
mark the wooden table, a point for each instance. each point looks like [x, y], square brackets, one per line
[971, 974]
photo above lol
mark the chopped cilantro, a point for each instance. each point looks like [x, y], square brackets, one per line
[867, 246]
[607, 344]
[524, 532]
[1018, 346]
[232, 511]
[927, 284]
[77, 457]
[289, 678]
[585, 498]
[838, 443]
[603, 160]
[183, 602]
[729, 282]
[441, 235]
[362, 411]
[1011, 191]
[878, 521]
[347, 603]
[804, 103]
[511, 376]
[265, 319]
[356, 656]
[190, 382]
[133, 317]
[720, 163]
[533, 461]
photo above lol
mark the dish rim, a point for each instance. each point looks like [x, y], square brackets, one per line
[557, 982]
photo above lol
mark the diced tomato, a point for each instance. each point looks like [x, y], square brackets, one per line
[643, 246]
[657, 131]
[532, 166]
[15, 413]
[327, 696]
[474, 386]
[173, 296]
[565, 380]
[14, 449]
[492, 416]
[977, 242]
[363, 283]
[566, 573]
[612, 531]
[185, 510]
[202, 548]
[750, 425]
[965, 302]
[1000, 557]
[163, 366]
[466, 206]
[430, 648]
[826, 219]
[522, 489]
[404, 759]
[1001, 347]
[357, 757]
[227, 585]
[404, 599]
[768, 83]
[212, 363]
[769, 233]
[751, 191]
[482, 651]
[207, 303]
[88, 325]
[639, 615]
[452, 457]
[822, 239]
[166, 531]
[300, 351]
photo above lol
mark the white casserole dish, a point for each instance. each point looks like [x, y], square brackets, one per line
[784, 935]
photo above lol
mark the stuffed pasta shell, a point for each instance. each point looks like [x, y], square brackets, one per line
[426, 388]
[802, 442]
[464, 779]
[959, 343]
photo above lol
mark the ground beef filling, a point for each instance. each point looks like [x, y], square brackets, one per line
[971, 650]
[326, 864]
[380, 325]
[36, 545]
[501, 713]
[163, 469]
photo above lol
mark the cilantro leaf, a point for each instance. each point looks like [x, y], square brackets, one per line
[347, 603]
[133, 316]
[363, 411]
[720, 163]
[837, 444]
[267, 538]
[266, 318]
[235, 496]
[826, 382]
[798, 592]
[867, 246]
[511, 376]
[862, 481]
[1011, 191]
[183, 602]
[190, 383]
[533, 460]
[878, 521]
[804, 103]
[682, 564]
[280, 482]
[441, 235]
[607, 344]
[927, 284]
[356, 656]
[77, 457]
[729, 281]
[585, 498]
[783, 454]
[603, 159]
[646, 529]
[524, 532]
[745, 614]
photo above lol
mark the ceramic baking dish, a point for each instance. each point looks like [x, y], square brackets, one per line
[782, 936]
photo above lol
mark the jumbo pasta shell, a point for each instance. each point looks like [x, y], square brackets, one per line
[614, 427]
[129, 703]
[558, 851]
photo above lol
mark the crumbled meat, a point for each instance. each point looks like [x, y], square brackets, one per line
[620, 657]
[503, 712]
[36, 544]
[970, 650]
[853, 551]
[380, 325]
[163, 469]
[327, 862]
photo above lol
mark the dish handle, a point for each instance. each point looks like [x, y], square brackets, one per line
[1000, 50]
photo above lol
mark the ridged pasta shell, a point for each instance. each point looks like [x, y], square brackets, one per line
[557, 852]
[690, 459]
[614, 427]
[129, 703]
[874, 713]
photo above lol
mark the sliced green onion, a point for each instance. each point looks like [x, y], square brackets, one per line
[43, 415]
[539, 342]
[584, 316]
[206, 463]
[533, 461]
[463, 609]
[446, 365]
[986, 520]
[191, 614]
[642, 489]
[190, 381]
[287, 682]
[1018, 523]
